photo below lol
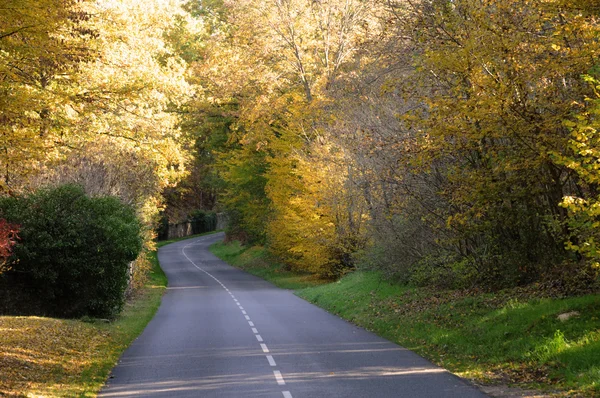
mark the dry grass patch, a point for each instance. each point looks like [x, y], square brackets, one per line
[38, 354]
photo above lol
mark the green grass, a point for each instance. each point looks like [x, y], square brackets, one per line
[509, 337]
[256, 261]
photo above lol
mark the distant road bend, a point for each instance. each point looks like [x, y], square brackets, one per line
[221, 332]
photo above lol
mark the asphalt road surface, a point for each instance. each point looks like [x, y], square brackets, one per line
[221, 332]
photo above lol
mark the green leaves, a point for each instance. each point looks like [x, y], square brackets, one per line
[584, 159]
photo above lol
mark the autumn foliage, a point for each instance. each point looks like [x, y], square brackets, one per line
[448, 143]
[441, 142]
[90, 94]
[8, 238]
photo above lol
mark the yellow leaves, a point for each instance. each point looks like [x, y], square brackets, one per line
[39, 52]
[313, 206]
[498, 109]
[573, 202]
[585, 161]
[115, 82]
[296, 44]
[35, 352]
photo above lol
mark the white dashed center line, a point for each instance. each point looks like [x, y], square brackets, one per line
[279, 378]
[276, 373]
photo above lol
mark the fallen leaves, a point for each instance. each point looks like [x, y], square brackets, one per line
[38, 355]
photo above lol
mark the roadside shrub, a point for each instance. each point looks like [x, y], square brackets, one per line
[74, 251]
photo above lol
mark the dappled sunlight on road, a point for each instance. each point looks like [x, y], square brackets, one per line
[278, 351]
[363, 373]
[200, 357]
[259, 381]
[250, 381]
[342, 347]
[200, 385]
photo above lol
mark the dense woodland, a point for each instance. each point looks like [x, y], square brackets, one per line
[443, 142]
[450, 143]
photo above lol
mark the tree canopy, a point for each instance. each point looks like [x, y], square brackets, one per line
[449, 142]
[441, 141]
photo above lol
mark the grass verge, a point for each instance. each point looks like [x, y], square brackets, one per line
[256, 261]
[511, 337]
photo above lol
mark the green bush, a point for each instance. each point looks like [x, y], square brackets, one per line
[203, 221]
[74, 251]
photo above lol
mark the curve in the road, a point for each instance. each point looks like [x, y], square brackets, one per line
[276, 373]
[221, 332]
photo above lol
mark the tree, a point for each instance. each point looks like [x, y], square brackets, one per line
[91, 94]
[493, 115]
[288, 55]
[393, 114]
[80, 72]
[584, 206]
[42, 43]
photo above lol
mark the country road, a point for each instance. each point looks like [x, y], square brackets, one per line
[221, 332]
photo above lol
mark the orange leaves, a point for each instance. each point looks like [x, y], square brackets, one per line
[8, 238]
